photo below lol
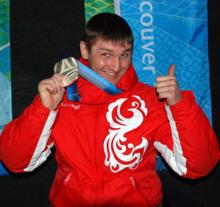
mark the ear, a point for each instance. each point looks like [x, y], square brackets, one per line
[84, 50]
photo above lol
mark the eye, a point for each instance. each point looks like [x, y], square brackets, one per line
[106, 54]
[125, 55]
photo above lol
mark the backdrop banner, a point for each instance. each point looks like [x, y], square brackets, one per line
[167, 32]
[5, 74]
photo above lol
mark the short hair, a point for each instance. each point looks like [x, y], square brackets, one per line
[107, 26]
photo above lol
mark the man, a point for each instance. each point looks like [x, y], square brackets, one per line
[106, 145]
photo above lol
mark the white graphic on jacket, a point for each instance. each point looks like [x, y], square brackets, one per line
[121, 153]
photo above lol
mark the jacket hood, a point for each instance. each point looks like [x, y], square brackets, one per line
[91, 94]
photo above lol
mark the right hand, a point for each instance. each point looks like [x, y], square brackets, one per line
[167, 87]
[51, 91]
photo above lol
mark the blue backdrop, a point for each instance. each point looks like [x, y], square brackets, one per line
[167, 32]
[5, 73]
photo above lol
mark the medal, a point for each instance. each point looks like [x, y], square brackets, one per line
[68, 68]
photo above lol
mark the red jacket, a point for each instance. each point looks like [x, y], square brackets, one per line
[106, 145]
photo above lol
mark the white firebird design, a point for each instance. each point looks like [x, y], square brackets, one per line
[121, 153]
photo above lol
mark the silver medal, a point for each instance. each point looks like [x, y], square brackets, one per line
[68, 68]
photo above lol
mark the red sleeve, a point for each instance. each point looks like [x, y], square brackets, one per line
[25, 142]
[194, 149]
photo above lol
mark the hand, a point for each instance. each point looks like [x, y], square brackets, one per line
[51, 91]
[167, 87]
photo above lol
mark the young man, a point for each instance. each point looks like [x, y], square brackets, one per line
[106, 145]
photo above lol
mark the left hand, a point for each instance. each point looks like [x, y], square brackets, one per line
[167, 87]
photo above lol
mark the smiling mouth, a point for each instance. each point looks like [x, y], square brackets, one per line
[112, 74]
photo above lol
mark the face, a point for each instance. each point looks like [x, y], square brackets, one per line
[109, 59]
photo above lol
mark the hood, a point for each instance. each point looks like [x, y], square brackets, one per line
[91, 94]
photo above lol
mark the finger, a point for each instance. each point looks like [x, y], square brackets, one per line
[165, 78]
[58, 81]
[171, 70]
[51, 85]
[47, 86]
[165, 95]
[163, 82]
[170, 89]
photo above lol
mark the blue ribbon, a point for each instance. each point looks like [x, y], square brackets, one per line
[94, 78]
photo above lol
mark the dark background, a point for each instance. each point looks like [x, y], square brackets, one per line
[43, 32]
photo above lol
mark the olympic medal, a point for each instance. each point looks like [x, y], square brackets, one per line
[68, 68]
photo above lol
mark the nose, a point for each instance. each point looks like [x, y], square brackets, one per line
[116, 64]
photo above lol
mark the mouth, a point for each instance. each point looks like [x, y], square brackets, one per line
[111, 74]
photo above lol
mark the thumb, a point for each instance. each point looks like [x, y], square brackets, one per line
[171, 70]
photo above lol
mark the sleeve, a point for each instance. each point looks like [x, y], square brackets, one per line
[190, 147]
[25, 142]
